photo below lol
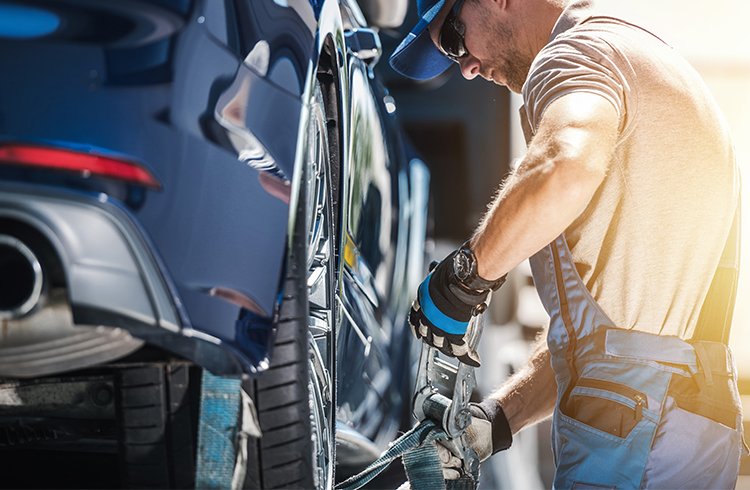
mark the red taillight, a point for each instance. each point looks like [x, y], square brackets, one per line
[87, 164]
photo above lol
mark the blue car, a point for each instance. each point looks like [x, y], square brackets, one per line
[191, 186]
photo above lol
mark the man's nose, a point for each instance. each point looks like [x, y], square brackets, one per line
[470, 67]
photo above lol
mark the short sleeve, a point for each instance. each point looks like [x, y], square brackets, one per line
[574, 63]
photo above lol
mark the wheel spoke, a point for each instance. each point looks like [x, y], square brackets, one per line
[319, 326]
[319, 369]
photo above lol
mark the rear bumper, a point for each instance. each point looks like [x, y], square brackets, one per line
[113, 277]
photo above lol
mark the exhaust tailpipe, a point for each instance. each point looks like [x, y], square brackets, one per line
[21, 278]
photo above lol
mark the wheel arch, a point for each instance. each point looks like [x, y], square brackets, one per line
[328, 65]
[329, 57]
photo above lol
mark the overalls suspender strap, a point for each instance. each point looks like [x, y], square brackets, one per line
[634, 409]
[716, 313]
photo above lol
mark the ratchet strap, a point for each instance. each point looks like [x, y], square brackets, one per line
[217, 431]
[421, 461]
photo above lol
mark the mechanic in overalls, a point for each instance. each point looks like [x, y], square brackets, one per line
[627, 203]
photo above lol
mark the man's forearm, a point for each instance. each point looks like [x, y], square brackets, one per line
[529, 395]
[565, 164]
[536, 204]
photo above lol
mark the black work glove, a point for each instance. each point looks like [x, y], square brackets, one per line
[443, 309]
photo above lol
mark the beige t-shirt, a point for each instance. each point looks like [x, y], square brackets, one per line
[649, 241]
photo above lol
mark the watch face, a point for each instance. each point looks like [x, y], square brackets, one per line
[462, 265]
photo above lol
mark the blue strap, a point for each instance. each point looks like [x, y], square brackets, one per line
[217, 430]
[406, 442]
[421, 461]
[423, 467]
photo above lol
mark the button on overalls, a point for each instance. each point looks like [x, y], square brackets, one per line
[633, 410]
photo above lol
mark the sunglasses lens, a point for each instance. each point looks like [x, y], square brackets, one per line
[451, 40]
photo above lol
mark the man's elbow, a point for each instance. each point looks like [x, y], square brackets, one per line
[578, 176]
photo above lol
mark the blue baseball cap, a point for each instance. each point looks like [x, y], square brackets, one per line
[417, 56]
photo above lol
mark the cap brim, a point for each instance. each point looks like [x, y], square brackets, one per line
[417, 56]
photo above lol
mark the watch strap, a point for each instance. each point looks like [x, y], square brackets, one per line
[478, 283]
[475, 281]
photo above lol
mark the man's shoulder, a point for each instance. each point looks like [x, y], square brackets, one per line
[578, 53]
[597, 43]
[581, 59]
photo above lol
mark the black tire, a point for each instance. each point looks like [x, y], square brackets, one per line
[284, 457]
[156, 406]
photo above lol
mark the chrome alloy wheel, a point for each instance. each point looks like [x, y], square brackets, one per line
[321, 285]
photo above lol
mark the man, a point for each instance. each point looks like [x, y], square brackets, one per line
[625, 203]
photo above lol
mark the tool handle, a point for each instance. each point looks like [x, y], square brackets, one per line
[459, 416]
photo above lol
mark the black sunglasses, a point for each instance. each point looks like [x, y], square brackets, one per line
[452, 32]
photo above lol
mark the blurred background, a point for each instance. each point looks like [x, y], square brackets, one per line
[469, 135]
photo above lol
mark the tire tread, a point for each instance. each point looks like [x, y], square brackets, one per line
[156, 426]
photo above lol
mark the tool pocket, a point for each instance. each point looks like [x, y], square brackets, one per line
[692, 451]
[605, 424]
[701, 423]
[607, 406]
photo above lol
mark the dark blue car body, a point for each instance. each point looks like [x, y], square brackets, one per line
[209, 97]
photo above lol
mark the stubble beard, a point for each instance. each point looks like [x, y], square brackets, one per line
[509, 61]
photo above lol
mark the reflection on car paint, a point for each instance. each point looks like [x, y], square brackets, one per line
[276, 186]
[216, 116]
[23, 22]
[371, 217]
[253, 333]
[359, 270]
[246, 131]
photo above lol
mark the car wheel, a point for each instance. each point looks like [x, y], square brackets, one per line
[295, 397]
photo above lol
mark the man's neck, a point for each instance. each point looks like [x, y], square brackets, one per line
[536, 20]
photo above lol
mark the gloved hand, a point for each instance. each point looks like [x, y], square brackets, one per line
[488, 433]
[445, 304]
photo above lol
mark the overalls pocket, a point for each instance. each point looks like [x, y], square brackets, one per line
[701, 423]
[693, 450]
[607, 406]
[605, 423]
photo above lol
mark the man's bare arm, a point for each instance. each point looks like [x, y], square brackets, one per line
[529, 395]
[565, 164]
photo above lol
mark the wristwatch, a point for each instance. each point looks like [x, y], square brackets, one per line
[465, 270]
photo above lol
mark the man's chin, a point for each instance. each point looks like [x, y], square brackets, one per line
[490, 77]
[514, 89]
[515, 84]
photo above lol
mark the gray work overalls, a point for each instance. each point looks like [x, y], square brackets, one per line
[634, 410]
